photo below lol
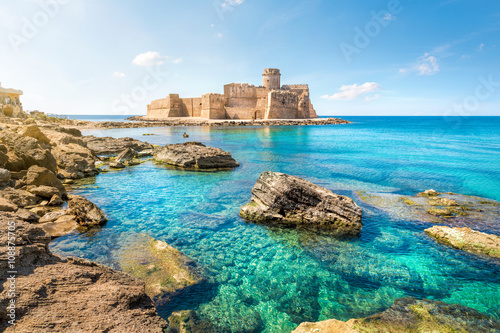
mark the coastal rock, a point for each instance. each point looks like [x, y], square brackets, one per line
[27, 215]
[188, 322]
[126, 155]
[44, 191]
[409, 315]
[112, 146]
[60, 227]
[194, 155]
[56, 200]
[24, 152]
[54, 215]
[116, 165]
[86, 212]
[166, 271]
[39, 176]
[7, 205]
[20, 198]
[34, 132]
[467, 239]
[73, 295]
[75, 161]
[455, 210]
[288, 200]
[4, 176]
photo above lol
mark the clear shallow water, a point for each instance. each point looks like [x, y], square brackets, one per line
[271, 279]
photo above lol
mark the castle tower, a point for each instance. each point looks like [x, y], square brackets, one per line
[272, 78]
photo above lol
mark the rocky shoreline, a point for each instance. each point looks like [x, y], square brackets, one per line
[39, 160]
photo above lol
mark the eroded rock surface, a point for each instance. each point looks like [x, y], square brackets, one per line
[284, 199]
[195, 155]
[112, 146]
[86, 212]
[73, 295]
[467, 239]
[409, 315]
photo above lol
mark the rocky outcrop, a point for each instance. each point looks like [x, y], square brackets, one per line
[113, 146]
[288, 200]
[73, 295]
[126, 155]
[195, 156]
[40, 176]
[75, 161]
[409, 315]
[86, 213]
[467, 239]
[165, 271]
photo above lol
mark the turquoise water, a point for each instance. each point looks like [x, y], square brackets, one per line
[267, 279]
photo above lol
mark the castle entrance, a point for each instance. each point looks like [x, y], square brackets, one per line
[257, 115]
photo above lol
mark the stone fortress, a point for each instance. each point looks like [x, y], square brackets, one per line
[241, 101]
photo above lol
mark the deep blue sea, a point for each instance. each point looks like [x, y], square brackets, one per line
[269, 279]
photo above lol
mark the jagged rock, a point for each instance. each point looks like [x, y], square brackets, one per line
[188, 322]
[44, 191]
[7, 205]
[40, 211]
[126, 155]
[27, 215]
[467, 239]
[56, 200]
[60, 227]
[54, 215]
[116, 165]
[164, 269]
[75, 161]
[23, 152]
[429, 193]
[20, 198]
[409, 315]
[73, 295]
[112, 146]
[194, 155]
[145, 153]
[42, 176]
[288, 200]
[4, 176]
[34, 132]
[87, 213]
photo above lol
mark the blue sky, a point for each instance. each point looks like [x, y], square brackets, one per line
[359, 57]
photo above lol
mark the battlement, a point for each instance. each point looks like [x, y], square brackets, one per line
[271, 71]
[295, 86]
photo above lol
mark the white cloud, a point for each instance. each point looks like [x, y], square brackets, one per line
[149, 58]
[349, 92]
[232, 3]
[481, 47]
[425, 65]
[177, 61]
[118, 74]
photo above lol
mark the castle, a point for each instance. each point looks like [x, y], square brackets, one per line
[241, 101]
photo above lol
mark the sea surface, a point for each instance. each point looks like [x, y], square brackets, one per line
[269, 279]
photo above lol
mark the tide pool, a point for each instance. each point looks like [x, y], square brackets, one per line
[268, 279]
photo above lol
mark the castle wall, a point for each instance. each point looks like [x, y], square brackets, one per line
[282, 105]
[213, 106]
[192, 106]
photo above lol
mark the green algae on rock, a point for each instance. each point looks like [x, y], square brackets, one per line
[287, 200]
[164, 269]
[188, 322]
[408, 315]
[467, 239]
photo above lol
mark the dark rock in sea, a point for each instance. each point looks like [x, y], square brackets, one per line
[72, 295]
[196, 156]
[112, 146]
[126, 155]
[86, 212]
[188, 322]
[196, 220]
[467, 239]
[292, 201]
[409, 315]
[116, 165]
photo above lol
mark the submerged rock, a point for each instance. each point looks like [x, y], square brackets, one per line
[467, 239]
[164, 269]
[194, 155]
[409, 315]
[455, 210]
[188, 322]
[73, 295]
[288, 200]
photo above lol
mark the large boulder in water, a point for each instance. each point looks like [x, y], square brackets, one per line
[195, 155]
[113, 146]
[409, 315]
[86, 212]
[288, 200]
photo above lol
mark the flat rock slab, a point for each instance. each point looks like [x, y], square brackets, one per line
[113, 146]
[454, 210]
[288, 200]
[164, 269]
[409, 315]
[467, 239]
[195, 156]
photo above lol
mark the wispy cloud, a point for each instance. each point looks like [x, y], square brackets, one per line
[152, 58]
[118, 74]
[481, 47]
[372, 97]
[232, 3]
[350, 92]
[425, 65]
